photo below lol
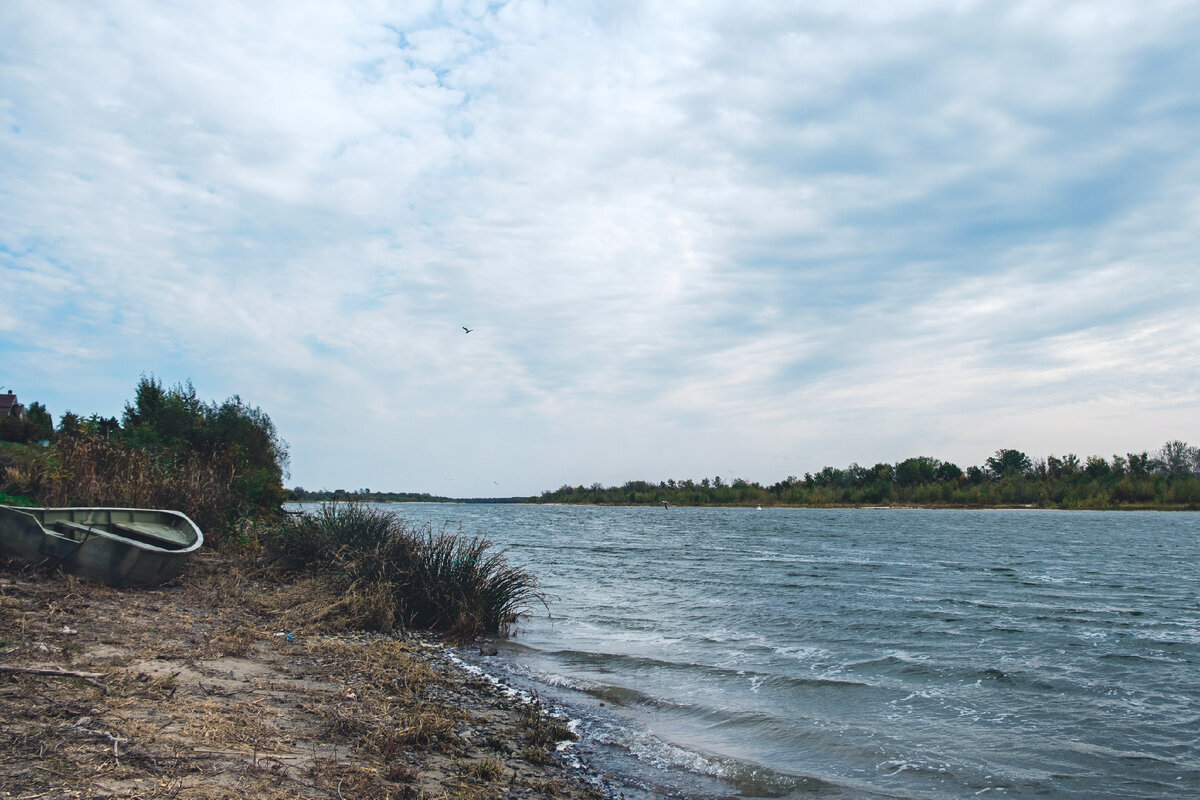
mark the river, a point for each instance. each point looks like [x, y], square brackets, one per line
[714, 653]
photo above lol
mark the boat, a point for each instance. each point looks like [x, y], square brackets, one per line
[118, 546]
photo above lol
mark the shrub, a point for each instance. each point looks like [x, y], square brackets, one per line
[386, 573]
[21, 431]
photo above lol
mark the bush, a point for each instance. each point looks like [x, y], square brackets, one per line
[175, 421]
[20, 431]
[387, 574]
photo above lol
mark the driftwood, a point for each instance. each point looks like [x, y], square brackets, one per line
[86, 677]
[57, 673]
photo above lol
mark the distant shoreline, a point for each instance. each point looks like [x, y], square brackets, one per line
[754, 506]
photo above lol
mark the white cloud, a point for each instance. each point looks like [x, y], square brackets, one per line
[692, 238]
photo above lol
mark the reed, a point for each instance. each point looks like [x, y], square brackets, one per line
[385, 573]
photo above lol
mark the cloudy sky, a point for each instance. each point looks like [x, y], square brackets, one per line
[692, 238]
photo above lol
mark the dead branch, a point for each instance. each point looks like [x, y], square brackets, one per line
[54, 673]
[86, 677]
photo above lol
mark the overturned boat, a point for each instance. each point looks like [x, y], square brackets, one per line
[117, 546]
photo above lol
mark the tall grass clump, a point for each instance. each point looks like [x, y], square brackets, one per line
[383, 573]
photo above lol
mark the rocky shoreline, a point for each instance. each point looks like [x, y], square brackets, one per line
[201, 689]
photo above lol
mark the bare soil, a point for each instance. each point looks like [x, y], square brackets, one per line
[188, 690]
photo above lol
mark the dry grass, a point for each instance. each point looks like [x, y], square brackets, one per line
[89, 471]
[487, 769]
[196, 697]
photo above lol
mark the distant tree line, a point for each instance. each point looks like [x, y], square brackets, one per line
[301, 495]
[1168, 478]
[220, 463]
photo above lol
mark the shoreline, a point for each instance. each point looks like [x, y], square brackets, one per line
[834, 507]
[198, 689]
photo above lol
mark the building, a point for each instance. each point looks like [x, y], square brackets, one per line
[9, 407]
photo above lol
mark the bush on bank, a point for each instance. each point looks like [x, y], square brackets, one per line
[386, 574]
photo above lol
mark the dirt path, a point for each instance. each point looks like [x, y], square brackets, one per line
[188, 690]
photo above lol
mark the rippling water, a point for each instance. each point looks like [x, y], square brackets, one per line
[863, 653]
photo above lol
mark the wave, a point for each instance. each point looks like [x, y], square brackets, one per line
[670, 760]
[634, 665]
[893, 662]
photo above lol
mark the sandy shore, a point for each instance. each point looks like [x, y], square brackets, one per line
[189, 690]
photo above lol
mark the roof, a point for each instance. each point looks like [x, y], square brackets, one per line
[9, 407]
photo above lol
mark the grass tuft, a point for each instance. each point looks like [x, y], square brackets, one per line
[487, 769]
[385, 574]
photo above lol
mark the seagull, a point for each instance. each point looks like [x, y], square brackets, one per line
[466, 329]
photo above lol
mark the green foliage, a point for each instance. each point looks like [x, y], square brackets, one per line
[33, 426]
[20, 431]
[164, 418]
[7, 499]
[177, 423]
[69, 424]
[219, 463]
[100, 427]
[1097, 468]
[177, 420]
[441, 581]
[916, 471]
[1177, 460]
[37, 415]
[1007, 463]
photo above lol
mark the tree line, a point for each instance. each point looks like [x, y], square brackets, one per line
[301, 495]
[1167, 478]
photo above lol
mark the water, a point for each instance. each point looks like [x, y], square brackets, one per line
[708, 653]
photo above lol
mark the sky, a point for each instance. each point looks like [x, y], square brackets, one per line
[691, 239]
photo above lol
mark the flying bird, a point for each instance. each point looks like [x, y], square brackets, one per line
[466, 329]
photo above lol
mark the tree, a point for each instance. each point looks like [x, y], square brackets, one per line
[948, 472]
[69, 424]
[170, 418]
[1175, 459]
[916, 471]
[1008, 462]
[1139, 464]
[1097, 468]
[33, 425]
[101, 427]
[831, 476]
[39, 416]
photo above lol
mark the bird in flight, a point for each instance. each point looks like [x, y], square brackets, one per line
[466, 329]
